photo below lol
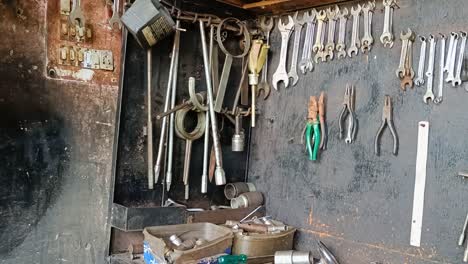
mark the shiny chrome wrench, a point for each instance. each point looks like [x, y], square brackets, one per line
[422, 61]
[430, 70]
[281, 75]
[439, 97]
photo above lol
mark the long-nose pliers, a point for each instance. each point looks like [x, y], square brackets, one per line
[348, 111]
[387, 119]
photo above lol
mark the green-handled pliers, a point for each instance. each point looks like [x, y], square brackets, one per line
[312, 133]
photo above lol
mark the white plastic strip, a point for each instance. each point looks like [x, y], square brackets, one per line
[420, 183]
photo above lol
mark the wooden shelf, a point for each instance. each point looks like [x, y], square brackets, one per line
[277, 6]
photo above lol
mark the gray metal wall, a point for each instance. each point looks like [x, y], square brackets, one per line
[357, 203]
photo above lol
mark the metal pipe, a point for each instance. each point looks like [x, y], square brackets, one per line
[206, 143]
[174, 109]
[175, 49]
[171, 122]
[149, 125]
[220, 177]
[204, 177]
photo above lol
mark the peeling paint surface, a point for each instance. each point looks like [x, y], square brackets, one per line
[57, 139]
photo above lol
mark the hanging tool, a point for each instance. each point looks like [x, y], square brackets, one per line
[218, 104]
[323, 123]
[461, 239]
[312, 133]
[257, 58]
[171, 86]
[195, 134]
[348, 111]
[387, 120]
[266, 28]
[149, 125]
[220, 176]
[419, 183]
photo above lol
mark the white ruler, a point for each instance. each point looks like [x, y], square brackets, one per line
[420, 183]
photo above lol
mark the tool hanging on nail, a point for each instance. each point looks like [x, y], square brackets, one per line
[387, 120]
[257, 59]
[312, 133]
[348, 113]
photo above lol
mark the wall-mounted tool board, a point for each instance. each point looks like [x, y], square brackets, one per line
[357, 203]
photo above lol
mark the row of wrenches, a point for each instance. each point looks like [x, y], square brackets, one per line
[450, 67]
[316, 26]
[77, 18]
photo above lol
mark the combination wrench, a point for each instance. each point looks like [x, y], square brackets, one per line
[330, 46]
[367, 39]
[355, 41]
[318, 47]
[453, 35]
[341, 45]
[430, 70]
[405, 38]
[422, 60]
[298, 24]
[408, 72]
[281, 75]
[115, 19]
[439, 97]
[266, 27]
[450, 65]
[387, 34]
[457, 80]
[306, 63]
[76, 15]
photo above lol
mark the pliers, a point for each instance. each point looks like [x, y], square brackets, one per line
[323, 124]
[312, 133]
[387, 119]
[348, 111]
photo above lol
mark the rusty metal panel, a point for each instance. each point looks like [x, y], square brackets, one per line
[65, 49]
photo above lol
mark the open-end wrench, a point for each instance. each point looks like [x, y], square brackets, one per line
[440, 92]
[367, 39]
[321, 17]
[306, 63]
[76, 15]
[330, 46]
[341, 45]
[266, 27]
[457, 80]
[405, 39]
[319, 47]
[409, 58]
[387, 34]
[429, 95]
[452, 57]
[281, 75]
[453, 35]
[355, 41]
[115, 19]
[422, 61]
[298, 24]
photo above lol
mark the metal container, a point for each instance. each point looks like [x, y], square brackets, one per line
[247, 199]
[261, 245]
[218, 240]
[293, 257]
[233, 190]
